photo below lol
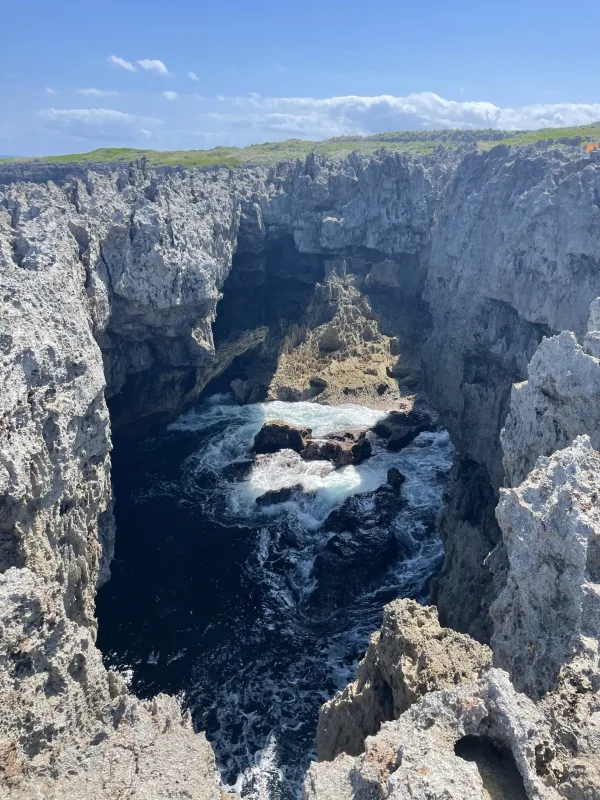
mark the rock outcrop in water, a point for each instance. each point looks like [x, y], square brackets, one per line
[111, 286]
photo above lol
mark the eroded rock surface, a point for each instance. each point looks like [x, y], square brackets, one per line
[410, 656]
[347, 447]
[549, 612]
[69, 729]
[546, 625]
[514, 257]
[111, 281]
[279, 435]
[414, 756]
[559, 401]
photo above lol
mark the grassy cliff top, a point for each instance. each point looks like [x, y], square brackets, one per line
[341, 146]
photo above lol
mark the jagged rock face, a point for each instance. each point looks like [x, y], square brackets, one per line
[548, 412]
[110, 283]
[415, 757]
[69, 728]
[514, 256]
[546, 628]
[56, 524]
[111, 280]
[54, 461]
[559, 401]
[549, 612]
[410, 656]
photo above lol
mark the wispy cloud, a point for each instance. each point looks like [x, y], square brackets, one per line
[88, 115]
[311, 116]
[98, 92]
[154, 65]
[94, 123]
[170, 95]
[117, 61]
[193, 77]
[49, 90]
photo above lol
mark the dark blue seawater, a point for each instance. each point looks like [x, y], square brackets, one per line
[212, 599]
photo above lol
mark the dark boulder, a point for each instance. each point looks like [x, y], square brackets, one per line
[350, 561]
[275, 496]
[321, 450]
[365, 510]
[350, 447]
[237, 471]
[278, 435]
[363, 545]
[395, 478]
[361, 450]
[401, 427]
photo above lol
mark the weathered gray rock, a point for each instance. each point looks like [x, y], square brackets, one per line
[559, 401]
[110, 281]
[411, 656]
[591, 343]
[414, 756]
[514, 256]
[548, 615]
[546, 628]
[69, 729]
[56, 524]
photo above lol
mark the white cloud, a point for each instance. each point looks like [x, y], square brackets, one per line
[170, 95]
[117, 61]
[49, 90]
[154, 65]
[310, 116]
[97, 123]
[90, 116]
[146, 133]
[98, 92]
[193, 77]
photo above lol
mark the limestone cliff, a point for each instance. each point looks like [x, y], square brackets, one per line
[515, 255]
[142, 285]
[546, 633]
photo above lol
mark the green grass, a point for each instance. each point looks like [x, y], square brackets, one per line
[339, 147]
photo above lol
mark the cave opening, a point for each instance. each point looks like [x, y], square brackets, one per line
[496, 765]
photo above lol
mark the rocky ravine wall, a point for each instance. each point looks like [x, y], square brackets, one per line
[428, 700]
[111, 279]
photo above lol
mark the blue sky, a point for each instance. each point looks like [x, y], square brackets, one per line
[266, 70]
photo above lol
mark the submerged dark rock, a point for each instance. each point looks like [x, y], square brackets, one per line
[349, 561]
[274, 496]
[238, 470]
[395, 478]
[362, 546]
